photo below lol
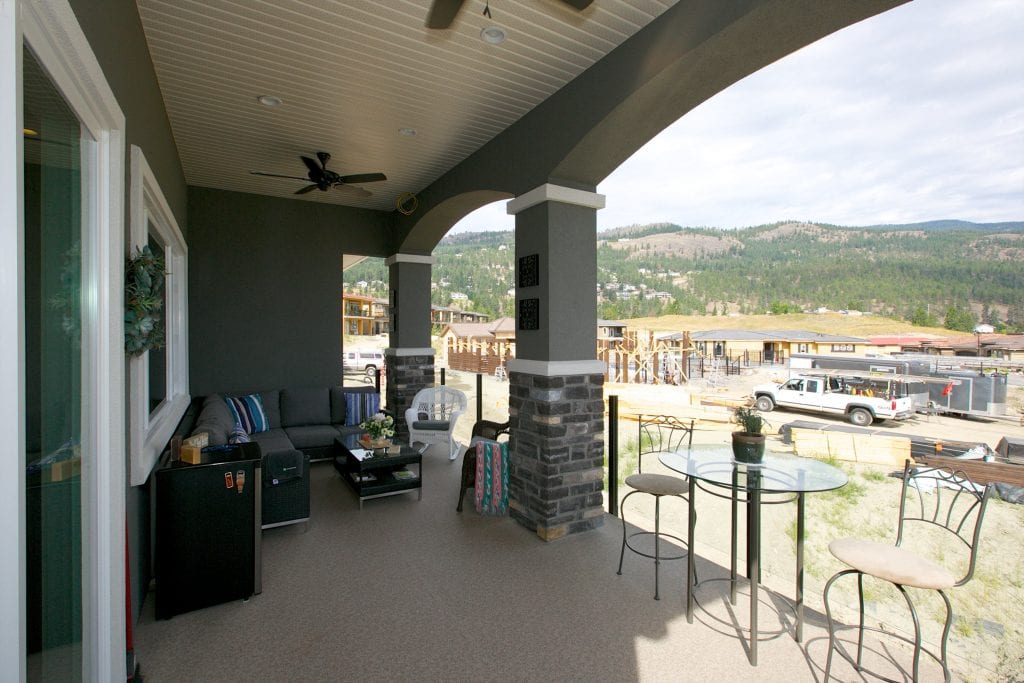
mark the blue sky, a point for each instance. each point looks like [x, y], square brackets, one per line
[916, 114]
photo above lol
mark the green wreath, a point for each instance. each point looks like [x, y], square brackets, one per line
[144, 302]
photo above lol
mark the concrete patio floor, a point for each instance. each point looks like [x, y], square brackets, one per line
[409, 589]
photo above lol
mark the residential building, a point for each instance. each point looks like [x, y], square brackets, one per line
[364, 315]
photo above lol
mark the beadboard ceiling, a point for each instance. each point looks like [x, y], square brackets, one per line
[352, 73]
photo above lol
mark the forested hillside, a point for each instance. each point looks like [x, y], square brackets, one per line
[943, 273]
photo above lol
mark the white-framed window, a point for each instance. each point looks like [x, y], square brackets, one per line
[842, 348]
[158, 380]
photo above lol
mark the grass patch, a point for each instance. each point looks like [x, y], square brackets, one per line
[873, 475]
[830, 460]
[962, 627]
[850, 494]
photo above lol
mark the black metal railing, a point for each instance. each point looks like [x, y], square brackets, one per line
[613, 455]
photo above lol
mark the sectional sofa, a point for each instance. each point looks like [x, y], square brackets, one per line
[292, 427]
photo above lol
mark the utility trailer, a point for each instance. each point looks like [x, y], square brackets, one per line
[945, 384]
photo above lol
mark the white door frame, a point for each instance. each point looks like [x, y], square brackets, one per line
[53, 33]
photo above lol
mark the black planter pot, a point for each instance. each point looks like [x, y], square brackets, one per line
[748, 447]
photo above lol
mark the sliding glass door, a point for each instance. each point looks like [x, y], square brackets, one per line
[54, 453]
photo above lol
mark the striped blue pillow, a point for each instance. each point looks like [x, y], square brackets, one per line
[360, 405]
[238, 435]
[248, 412]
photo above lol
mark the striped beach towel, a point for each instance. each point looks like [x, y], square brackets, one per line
[491, 493]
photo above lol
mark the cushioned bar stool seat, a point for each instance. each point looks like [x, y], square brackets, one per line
[657, 484]
[891, 563]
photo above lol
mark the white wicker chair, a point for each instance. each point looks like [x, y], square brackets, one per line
[432, 417]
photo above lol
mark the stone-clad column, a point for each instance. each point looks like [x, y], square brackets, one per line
[409, 357]
[407, 374]
[556, 385]
[557, 428]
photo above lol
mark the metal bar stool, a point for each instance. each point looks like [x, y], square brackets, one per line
[658, 434]
[942, 498]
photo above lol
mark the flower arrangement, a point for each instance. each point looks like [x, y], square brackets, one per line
[379, 426]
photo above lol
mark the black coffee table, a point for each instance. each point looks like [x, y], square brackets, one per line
[381, 474]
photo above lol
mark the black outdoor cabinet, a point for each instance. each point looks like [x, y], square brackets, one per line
[208, 530]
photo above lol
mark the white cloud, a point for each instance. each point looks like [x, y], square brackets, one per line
[916, 114]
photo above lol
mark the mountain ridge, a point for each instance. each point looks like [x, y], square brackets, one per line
[946, 272]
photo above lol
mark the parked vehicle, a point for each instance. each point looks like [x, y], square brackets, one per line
[953, 385]
[861, 400]
[365, 361]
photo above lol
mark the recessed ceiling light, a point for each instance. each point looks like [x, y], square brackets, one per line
[492, 35]
[269, 100]
[407, 132]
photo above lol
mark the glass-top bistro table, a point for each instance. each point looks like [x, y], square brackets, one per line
[714, 470]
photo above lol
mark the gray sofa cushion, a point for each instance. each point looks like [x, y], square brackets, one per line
[272, 407]
[311, 436]
[432, 425]
[272, 440]
[215, 419]
[307, 406]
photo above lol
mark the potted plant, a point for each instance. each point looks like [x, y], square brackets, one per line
[748, 443]
[378, 429]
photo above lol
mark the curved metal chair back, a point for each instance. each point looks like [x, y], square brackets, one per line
[662, 434]
[944, 498]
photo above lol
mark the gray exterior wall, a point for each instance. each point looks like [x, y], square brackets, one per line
[115, 35]
[411, 282]
[265, 288]
[565, 238]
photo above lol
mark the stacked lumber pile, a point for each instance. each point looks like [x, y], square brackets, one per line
[874, 449]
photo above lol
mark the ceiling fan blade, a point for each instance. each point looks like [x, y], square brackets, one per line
[353, 190]
[442, 13]
[314, 168]
[307, 188]
[578, 4]
[278, 175]
[363, 178]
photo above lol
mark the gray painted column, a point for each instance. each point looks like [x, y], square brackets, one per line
[409, 357]
[556, 404]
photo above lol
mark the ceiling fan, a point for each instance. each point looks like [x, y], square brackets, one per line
[323, 179]
[442, 12]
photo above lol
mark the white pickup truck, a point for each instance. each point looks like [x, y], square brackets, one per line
[862, 402]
